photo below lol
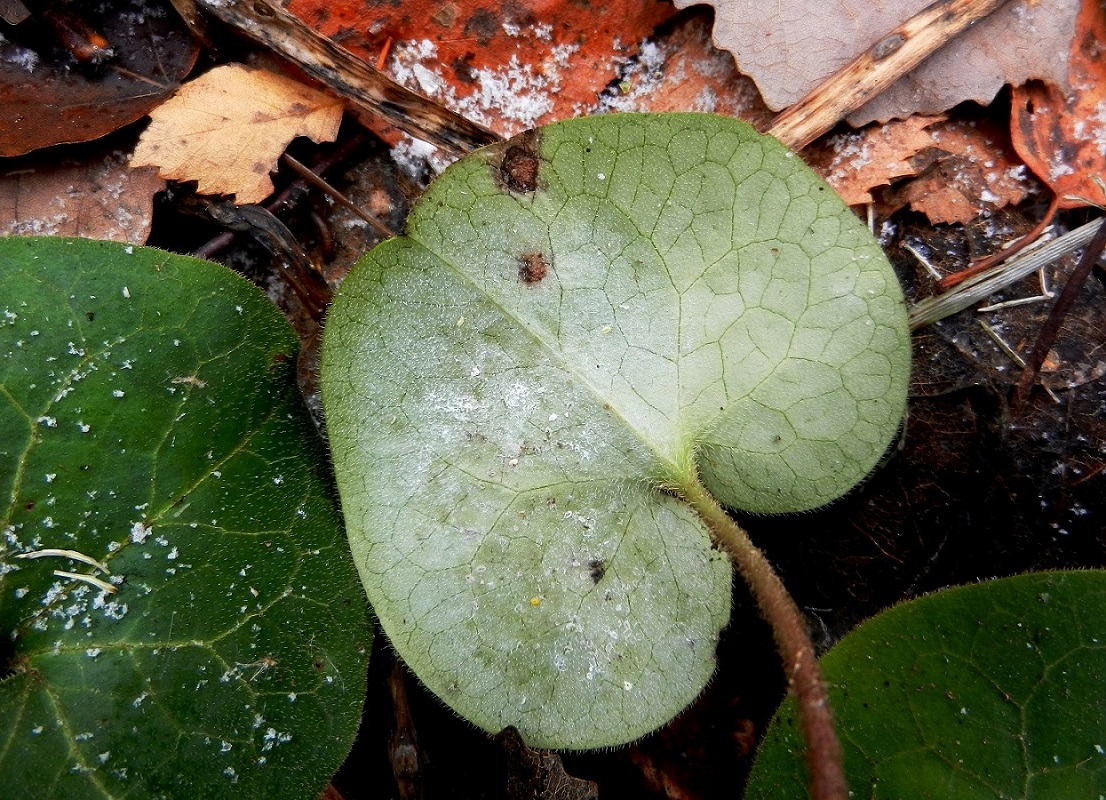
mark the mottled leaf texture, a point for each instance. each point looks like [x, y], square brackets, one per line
[152, 442]
[985, 692]
[575, 321]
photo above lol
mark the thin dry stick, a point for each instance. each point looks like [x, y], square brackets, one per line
[877, 68]
[348, 76]
[804, 675]
[1051, 329]
[319, 183]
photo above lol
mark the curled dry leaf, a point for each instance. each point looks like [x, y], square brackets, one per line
[1062, 134]
[227, 129]
[790, 46]
[854, 163]
[951, 171]
[95, 196]
[508, 67]
[970, 170]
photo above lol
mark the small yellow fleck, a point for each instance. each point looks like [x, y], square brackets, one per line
[606, 329]
[535, 601]
[461, 321]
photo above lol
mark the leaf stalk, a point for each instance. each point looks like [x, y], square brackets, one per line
[804, 675]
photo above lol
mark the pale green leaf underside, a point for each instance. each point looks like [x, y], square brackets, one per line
[149, 419]
[507, 385]
[984, 692]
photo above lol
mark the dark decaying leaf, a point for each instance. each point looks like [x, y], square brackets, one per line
[536, 775]
[47, 99]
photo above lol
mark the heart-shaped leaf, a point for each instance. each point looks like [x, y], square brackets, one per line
[179, 609]
[988, 691]
[575, 322]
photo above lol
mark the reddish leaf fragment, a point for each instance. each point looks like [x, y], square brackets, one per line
[683, 71]
[1062, 135]
[974, 171]
[507, 66]
[856, 162]
[93, 195]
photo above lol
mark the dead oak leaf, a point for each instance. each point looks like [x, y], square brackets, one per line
[227, 128]
[790, 46]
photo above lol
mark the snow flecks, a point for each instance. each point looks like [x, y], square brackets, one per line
[22, 57]
[139, 532]
[637, 80]
[272, 737]
[112, 609]
[518, 92]
[415, 157]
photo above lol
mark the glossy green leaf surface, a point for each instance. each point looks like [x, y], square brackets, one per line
[983, 692]
[573, 320]
[152, 438]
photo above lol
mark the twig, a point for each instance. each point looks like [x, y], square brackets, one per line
[316, 181]
[877, 68]
[348, 76]
[1051, 329]
[804, 676]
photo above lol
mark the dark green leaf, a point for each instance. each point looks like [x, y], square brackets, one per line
[986, 691]
[149, 420]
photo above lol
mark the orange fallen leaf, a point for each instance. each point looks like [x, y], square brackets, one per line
[972, 170]
[508, 66]
[227, 128]
[856, 162]
[681, 70]
[1062, 135]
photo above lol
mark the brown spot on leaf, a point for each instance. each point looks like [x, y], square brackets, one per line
[519, 169]
[532, 267]
[597, 568]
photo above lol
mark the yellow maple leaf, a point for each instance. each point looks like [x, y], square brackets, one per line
[227, 128]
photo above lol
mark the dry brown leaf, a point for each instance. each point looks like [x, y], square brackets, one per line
[854, 163]
[227, 128]
[1062, 135]
[94, 196]
[970, 170]
[790, 46]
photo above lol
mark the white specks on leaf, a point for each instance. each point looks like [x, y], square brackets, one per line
[139, 532]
